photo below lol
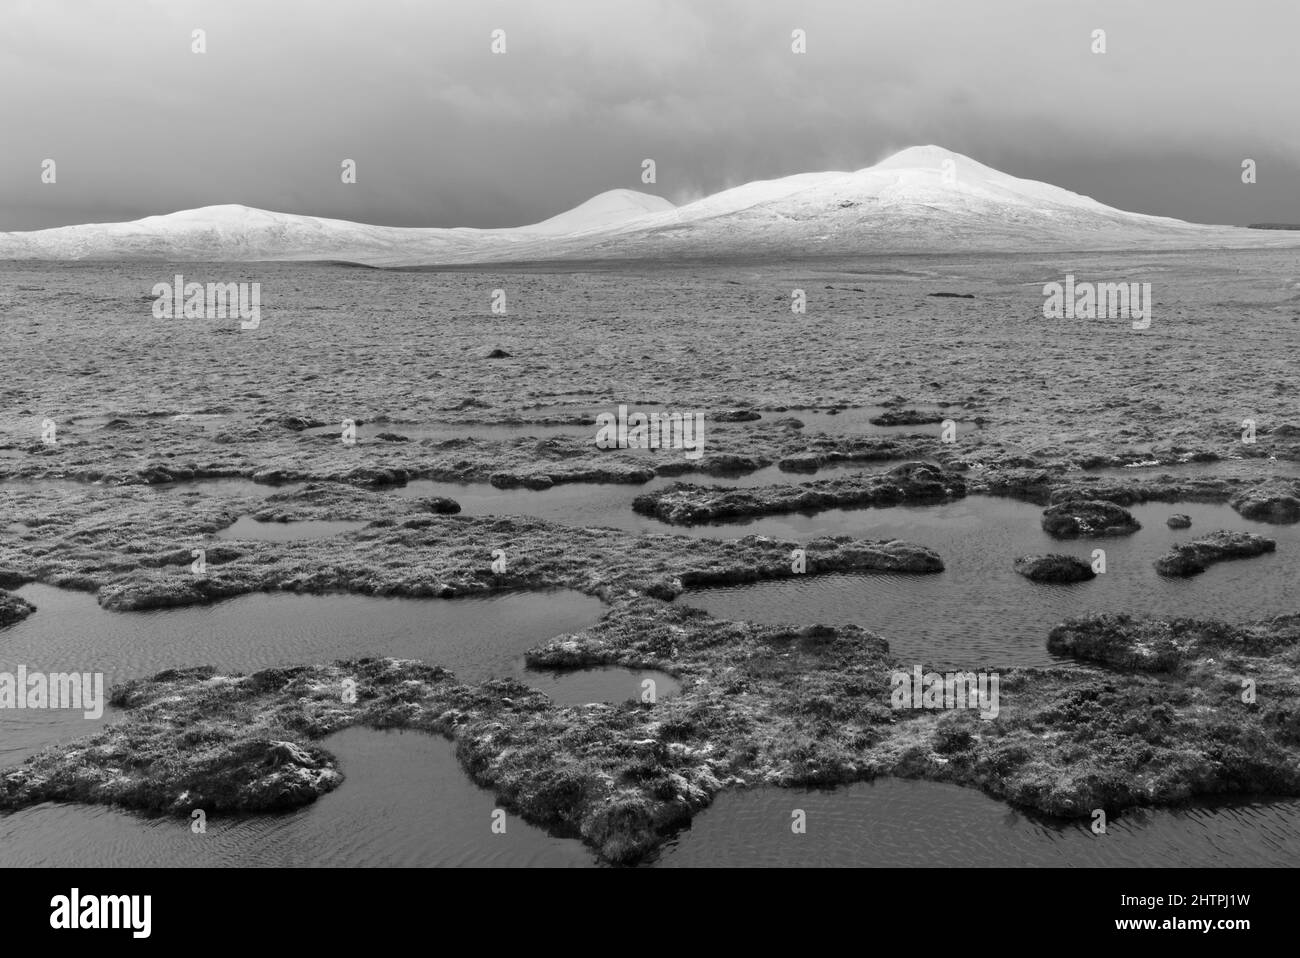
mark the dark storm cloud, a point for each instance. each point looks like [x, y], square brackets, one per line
[447, 134]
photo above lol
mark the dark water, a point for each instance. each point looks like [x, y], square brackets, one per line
[476, 638]
[849, 422]
[1283, 468]
[404, 802]
[415, 431]
[906, 824]
[581, 504]
[603, 685]
[604, 504]
[854, 421]
[857, 421]
[246, 527]
[215, 487]
[979, 611]
[578, 504]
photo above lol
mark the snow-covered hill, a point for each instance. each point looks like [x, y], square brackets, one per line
[921, 199]
[242, 233]
[605, 210]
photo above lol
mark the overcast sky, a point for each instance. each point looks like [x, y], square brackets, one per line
[445, 133]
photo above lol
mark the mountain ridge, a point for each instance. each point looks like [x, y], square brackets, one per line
[921, 198]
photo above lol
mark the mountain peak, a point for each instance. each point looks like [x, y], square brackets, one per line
[929, 172]
[938, 159]
[227, 215]
[602, 210]
[914, 157]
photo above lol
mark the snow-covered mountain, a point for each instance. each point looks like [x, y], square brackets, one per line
[921, 199]
[606, 210]
[242, 233]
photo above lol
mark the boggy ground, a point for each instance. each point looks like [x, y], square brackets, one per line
[1163, 721]
[152, 451]
[759, 705]
[135, 549]
[340, 343]
[1079, 505]
[1035, 402]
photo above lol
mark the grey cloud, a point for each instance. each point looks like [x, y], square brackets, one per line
[445, 134]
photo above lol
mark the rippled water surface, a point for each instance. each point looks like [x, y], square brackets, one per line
[907, 824]
[404, 802]
[476, 638]
[609, 504]
[978, 611]
[246, 527]
[604, 685]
